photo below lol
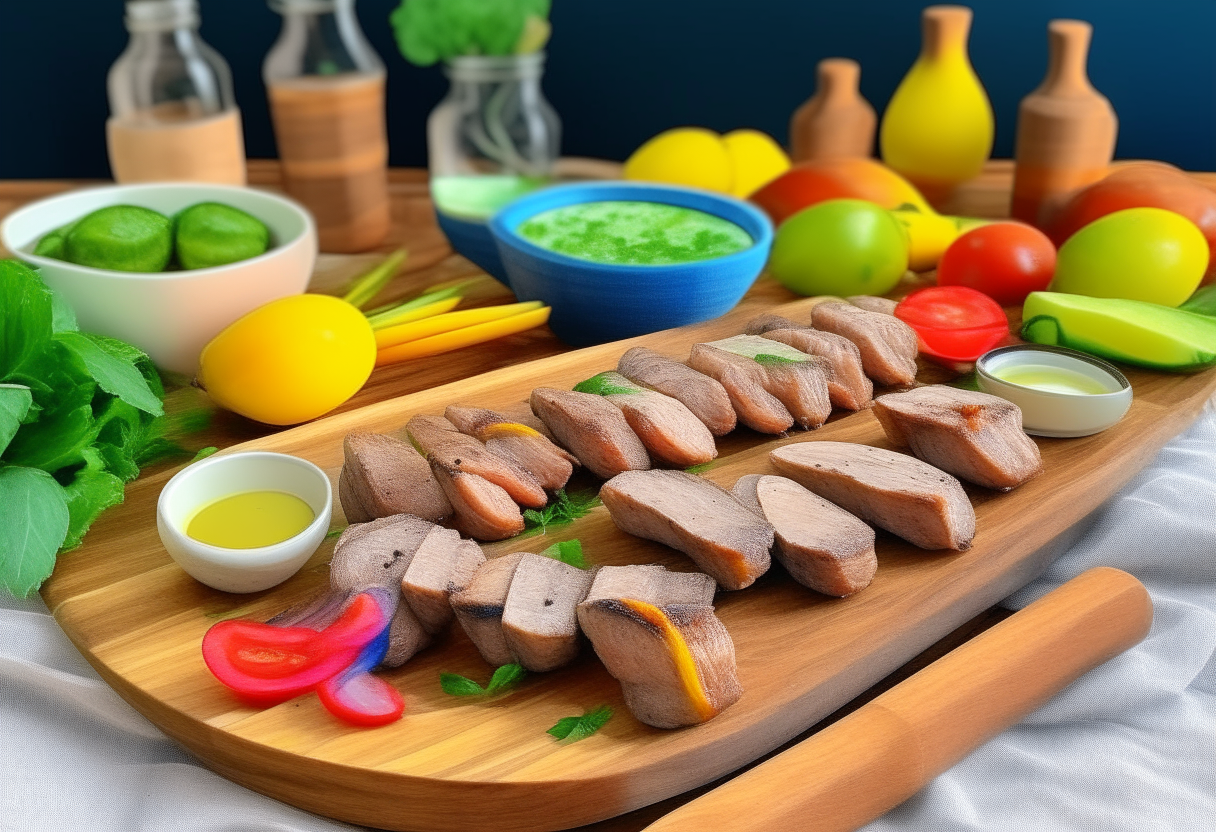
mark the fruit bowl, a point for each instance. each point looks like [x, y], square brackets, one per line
[595, 302]
[170, 315]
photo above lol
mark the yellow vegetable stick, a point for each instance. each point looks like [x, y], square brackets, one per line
[417, 313]
[457, 338]
[392, 336]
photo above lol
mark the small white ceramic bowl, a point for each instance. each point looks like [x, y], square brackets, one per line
[169, 315]
[1053, 413]
[204, 482]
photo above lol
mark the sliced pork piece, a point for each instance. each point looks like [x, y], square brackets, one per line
[848, 385]
[517, 443]
[820, 544]
[689, 513]
[652, 583]
[443, 564]
[676, 664]
[704, 396]
[539, 619]
[591, 428]
[888, 345]
[873, 303]
[972, 435]
[673, 436]
[797, 380]
[482, 510]
[744, 380]
[909, 498]
[382, 476]
[378, 554]
[479, 607]
[521, 412]
[443, 443]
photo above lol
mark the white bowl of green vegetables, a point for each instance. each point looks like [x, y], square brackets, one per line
[168, 298]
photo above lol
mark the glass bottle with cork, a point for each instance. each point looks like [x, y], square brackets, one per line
[173, 115]
[325, 83]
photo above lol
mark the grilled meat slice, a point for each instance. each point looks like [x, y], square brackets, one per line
[888, 346]
[704, 396]
[591, 428]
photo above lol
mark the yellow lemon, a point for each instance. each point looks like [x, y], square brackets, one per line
[291, 360]
[756, 159]
[691, 156]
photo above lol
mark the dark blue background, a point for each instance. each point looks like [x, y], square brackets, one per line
[623, 70]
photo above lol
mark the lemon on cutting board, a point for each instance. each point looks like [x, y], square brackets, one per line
[756, 159]
[738, 163]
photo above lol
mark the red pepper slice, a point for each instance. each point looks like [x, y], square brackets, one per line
[955, 323]
[265, 664]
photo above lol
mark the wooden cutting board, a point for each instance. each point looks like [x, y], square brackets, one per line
[469, 764]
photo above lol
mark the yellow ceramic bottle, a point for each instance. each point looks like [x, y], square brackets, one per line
[937, 130]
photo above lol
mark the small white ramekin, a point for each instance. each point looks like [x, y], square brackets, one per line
[204, 482]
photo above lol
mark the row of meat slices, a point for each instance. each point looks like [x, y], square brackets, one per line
[482, 468]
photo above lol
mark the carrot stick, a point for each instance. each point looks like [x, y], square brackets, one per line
[457, 338]
[449, 321]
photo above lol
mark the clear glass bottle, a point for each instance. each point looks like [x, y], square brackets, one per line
[173, 115]
[326, 88]
[494, 137]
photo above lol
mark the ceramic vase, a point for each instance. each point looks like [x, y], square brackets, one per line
[1066, 129]
[836, 122]
[937, 128]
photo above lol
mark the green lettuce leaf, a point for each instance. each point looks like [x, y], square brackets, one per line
[55, 441]
[114, 369]
[15, 403]
[26, 315]
[33, 523]
[92, 490]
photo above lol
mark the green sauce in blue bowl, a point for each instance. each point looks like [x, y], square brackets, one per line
[619, 259]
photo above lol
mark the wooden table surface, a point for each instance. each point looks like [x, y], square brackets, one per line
[431, 261]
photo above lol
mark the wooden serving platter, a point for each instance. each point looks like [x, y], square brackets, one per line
[472, 764]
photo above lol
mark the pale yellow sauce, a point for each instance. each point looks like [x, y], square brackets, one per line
[1051, 379]
[250, 519]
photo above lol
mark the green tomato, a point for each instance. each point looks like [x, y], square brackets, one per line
[840, 247]
[1147, 254]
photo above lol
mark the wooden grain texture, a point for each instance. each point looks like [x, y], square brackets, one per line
[883, 753]
[473, 765]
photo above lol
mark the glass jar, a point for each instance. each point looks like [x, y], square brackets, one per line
[494, 137]
[325, 83]
[173, 115]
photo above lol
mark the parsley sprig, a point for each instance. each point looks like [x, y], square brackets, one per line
[504, 678]
[564, 509]
[575, 728]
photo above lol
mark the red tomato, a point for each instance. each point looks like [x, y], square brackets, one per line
[955, 323]
[1005, 260]
[1141, 186]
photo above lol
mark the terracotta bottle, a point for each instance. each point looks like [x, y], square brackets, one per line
[937, 129]
[836, 122]
[1066, 129]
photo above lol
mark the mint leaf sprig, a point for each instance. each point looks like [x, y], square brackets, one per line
[562, 510]
[504, 678]
[574, 728]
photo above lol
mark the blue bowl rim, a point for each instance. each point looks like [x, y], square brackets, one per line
[506, 220]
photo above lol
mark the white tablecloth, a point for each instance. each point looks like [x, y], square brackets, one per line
[1131, 746]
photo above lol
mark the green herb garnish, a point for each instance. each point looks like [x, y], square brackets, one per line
[562, 510]
[505, 677]
[768, 359]
[575, 728]
[336, 531]
[79, 414]
[602, 385]
[568, 552]
[429, 31]
[701, 467]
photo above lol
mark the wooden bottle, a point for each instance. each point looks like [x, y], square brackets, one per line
[1066, 129]
[937, 129]
[836, 122]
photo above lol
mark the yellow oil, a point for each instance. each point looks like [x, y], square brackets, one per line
[250, 519]
[1051, 379]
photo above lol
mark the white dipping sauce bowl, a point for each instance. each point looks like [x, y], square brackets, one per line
[169, 315]
[1051, 413]
[242, 570]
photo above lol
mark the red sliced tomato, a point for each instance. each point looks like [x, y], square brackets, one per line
[265, 664]
[955, 323]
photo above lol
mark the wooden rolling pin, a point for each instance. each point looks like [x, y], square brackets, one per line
[881, 754]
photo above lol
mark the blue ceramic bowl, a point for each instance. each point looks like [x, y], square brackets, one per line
[598, 302]
[472, 239]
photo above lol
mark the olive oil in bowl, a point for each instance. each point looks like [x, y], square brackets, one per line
[250, 520]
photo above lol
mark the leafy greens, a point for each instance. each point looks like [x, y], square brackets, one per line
[79, 414]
